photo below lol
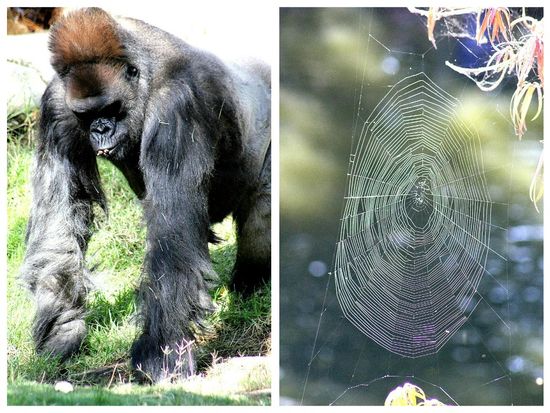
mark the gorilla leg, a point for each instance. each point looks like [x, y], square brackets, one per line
[174, 293]
[253, 266]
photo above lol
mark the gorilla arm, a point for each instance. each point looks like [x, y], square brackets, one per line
[176, 159]
[65, 184]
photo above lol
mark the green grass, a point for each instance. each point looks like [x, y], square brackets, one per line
[100, 371]
[123, 395]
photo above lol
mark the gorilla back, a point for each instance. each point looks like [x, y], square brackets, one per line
[190, 133]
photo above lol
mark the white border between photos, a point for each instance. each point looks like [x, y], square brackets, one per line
[3, 220]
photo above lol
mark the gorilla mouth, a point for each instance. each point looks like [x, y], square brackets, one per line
[104, 135]
[106, 151]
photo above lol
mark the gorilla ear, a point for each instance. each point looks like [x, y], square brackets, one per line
[82, 36]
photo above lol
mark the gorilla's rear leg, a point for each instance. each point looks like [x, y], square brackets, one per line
[253, 266]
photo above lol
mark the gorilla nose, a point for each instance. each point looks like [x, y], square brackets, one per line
[102, 131]
[102, 126]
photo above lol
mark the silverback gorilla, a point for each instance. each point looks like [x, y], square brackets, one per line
[190, 133]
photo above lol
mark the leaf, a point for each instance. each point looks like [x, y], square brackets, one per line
[539, 53]
[409, 395]
[536, 189]
[405, 395]
[495, 65]
[496, 27]
[526, 102]
[482, 27]
[431, 24]
[539, 106]
[526, 59]
[496, 20]
[519, 106]
[504, 25]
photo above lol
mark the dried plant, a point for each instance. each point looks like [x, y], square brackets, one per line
[410, 395]
[517, 49]
[179, 365]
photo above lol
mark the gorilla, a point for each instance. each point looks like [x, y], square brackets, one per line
[192, 136]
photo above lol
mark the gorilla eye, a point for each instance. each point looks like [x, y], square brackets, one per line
[131, 71]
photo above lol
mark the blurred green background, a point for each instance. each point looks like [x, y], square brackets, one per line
[323, 57]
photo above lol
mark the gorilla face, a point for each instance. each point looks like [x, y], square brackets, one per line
[105, 83]
[102, 96]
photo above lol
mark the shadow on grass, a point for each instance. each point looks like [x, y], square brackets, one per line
[239, 327]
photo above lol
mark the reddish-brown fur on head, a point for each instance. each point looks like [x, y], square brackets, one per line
[85, 35]
[92, 80]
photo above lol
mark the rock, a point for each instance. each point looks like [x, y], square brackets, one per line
[63, 387]
[28, 70]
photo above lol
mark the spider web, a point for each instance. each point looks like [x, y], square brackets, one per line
[422, 258]
[416, 224]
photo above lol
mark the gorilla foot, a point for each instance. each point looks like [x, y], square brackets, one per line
[156, 363]
[250, 278]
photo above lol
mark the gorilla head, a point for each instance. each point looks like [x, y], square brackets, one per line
[192, 136]
[101, 80]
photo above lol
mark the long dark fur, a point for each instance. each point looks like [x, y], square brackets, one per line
[192, 136]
